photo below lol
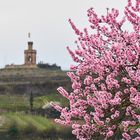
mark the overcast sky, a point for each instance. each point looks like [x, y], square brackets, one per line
[47, 21]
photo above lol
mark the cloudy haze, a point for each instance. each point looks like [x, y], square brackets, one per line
[47, 20]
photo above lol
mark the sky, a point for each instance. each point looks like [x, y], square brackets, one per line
[47, 21]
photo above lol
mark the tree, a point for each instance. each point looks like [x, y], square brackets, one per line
[105, 97]
[31, 101]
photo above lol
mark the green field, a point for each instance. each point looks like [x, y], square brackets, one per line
[19, 120]
[17, 123]
[21, 102]
[20, 126]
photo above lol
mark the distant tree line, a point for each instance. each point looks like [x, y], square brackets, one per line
[48, 66]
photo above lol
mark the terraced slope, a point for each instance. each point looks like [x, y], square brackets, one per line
[39, 81]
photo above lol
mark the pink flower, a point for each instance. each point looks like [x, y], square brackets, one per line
[105, 94]
[110, 134]
[126, 136]
[138, 130]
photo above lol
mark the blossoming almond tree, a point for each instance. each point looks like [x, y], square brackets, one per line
[105, 97]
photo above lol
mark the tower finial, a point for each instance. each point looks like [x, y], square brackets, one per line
[29, 36]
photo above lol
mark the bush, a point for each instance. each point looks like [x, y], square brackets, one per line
[13, 130]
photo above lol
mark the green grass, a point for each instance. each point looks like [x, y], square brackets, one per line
[24, 120]
[14, 102]
[55, 97]
[21, 102]
[18, 125]
[23, 124]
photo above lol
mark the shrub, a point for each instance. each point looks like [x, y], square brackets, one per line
[13, 130]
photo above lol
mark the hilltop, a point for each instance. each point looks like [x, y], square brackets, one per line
[36, 80]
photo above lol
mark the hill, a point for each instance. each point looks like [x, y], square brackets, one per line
[36, 80]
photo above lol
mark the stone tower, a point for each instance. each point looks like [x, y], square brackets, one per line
[30, 55]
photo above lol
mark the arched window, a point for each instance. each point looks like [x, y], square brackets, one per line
[29, 59]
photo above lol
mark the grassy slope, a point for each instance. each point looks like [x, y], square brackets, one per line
[21, 75]
[21, 125]
[21, 102]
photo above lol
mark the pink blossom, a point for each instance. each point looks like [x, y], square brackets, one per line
[109, 134]
[138, 130]
[126, 136]
[105, 93]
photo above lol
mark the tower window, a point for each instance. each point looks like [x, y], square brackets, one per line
[29, 59]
